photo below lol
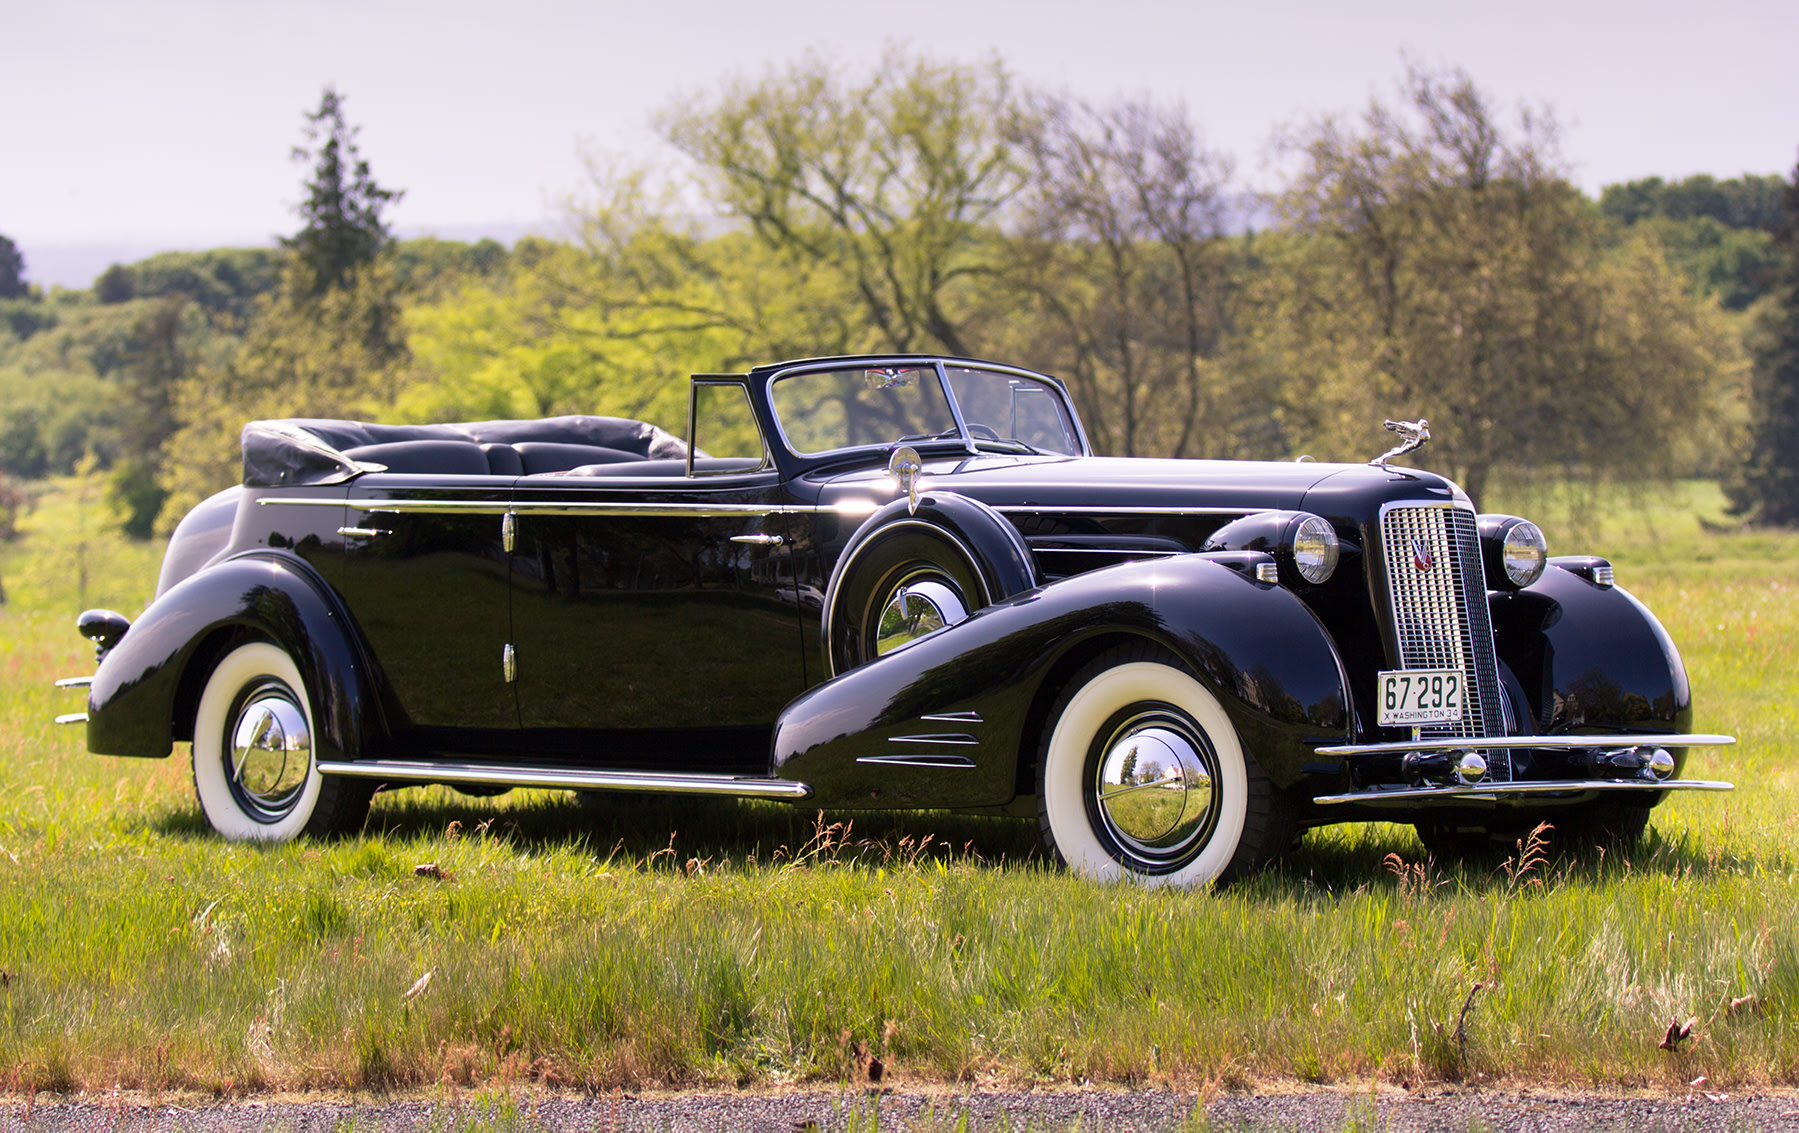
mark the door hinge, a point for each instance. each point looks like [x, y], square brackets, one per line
[509, 663]
[508, 533]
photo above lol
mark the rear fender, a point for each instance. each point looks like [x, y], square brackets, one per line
[144, 693]
[946, 720]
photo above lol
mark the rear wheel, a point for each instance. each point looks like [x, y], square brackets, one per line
[253, 753]
[1141, 776]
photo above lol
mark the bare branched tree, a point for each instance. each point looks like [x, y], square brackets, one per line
[1122, 251]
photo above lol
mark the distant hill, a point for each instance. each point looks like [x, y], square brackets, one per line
[77, 265]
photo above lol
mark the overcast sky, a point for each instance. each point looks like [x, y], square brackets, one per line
[170, 123]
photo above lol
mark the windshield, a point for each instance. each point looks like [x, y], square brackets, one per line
[1012, 408]
[825, 410]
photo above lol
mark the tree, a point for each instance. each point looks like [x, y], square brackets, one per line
[344, 231]
[896, 181]
[1124, 258]
[1767, 487]
[1460, 278]
[326, 342]
[12, 271]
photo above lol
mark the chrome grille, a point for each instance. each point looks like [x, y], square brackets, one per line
[1440, 612]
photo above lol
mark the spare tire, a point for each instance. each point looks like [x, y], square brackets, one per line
[906, 573]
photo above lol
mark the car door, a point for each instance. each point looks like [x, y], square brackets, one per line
[425, 578]
[655, 613]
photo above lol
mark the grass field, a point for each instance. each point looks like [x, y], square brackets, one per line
[644, 943]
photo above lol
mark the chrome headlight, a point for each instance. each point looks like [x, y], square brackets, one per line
[1514, 549]
[1314, 549]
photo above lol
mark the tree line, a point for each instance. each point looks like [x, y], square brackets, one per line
[1427, 257]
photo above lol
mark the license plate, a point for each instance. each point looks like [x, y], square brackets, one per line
[1420, 696]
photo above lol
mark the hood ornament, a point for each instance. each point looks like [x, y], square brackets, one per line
[1412, 434]
[905, 468]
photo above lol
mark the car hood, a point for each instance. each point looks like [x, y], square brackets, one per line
[1128, 484]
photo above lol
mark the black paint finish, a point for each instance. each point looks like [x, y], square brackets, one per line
[1254, 645]
[685, 638]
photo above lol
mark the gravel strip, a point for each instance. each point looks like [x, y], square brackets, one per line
[1058, 1110]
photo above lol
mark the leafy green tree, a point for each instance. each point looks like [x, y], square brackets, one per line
[1458, 276]
[1749, 201]
[1767, 488]
[898, 181]
[12, 271]
[343, 230]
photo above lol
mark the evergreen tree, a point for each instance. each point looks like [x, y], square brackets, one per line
[1767, 488]
[344, 231]
[12, 271]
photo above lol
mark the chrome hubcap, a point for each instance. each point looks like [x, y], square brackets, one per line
[271, 753]
[1154, 789]
[920, 604]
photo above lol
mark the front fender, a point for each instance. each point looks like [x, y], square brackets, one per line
[144, 692]
[943, 722]
[1590, 658]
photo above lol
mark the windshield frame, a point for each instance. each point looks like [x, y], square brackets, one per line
[963, 441]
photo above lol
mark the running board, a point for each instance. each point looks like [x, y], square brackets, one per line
[569, 779]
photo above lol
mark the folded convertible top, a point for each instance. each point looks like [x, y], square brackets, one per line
[315, 451]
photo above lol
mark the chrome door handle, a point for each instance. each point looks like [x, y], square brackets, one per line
[363, 532]
[759, 540]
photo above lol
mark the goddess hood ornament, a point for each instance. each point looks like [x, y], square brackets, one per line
[1412, 435]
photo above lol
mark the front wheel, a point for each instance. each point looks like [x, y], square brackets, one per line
[254, 766]
[1141, 776]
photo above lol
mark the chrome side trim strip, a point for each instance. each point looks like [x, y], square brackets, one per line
[72, 718]
[568, 778]
[1556, 743]
[86, 682]
[561, 507]
[1147, 509]
[954, 762]
[953, 739]
[956, 717]
[1490, 791]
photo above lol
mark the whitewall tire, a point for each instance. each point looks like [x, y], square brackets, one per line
[1141, 777]
[254, 766]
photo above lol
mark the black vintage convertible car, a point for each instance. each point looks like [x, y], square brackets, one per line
[892, 582]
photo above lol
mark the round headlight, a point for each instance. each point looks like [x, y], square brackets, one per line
[1314, 549]
[1524, 553]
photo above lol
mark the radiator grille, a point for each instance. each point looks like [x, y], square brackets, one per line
[1439, 603]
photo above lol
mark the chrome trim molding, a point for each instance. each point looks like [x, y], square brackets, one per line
[760, 539]
[953, 739]
[954, 762]
[72, 718]
[956, 717]
[1557, 743]
[584, 779]
[366, 532]
[1500, 790]
[563, 507]
[86, 682]
[1143, 509]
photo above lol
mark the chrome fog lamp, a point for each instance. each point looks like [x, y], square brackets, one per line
[1314, 549]
[1514, 551]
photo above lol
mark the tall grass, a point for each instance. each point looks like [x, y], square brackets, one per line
[630, 943]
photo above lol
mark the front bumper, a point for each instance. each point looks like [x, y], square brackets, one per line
[1615, 752]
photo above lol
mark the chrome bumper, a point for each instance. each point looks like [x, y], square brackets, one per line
[1607, 748]
[1493, 792]
[68, 683]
